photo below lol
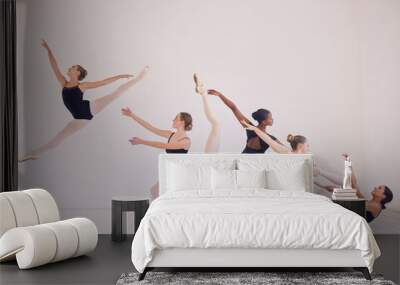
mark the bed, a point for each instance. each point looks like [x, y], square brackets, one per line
[247, 210]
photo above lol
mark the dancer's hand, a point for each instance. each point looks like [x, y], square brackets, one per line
[248, 126]
[126, 112]
[213, 92]
[136, 141]
[125, 76]
[45, 45]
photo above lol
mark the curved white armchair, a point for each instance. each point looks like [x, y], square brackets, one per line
[31, 230]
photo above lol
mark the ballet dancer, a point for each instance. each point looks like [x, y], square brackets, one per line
[213, 140]
[264, 118]
[381, 195]
[178, 141]
[298, 143]
[81, 110]
[212, 144]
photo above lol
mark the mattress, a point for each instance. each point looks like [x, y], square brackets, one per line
[251, 219]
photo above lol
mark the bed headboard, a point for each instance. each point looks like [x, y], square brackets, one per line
[272, 161]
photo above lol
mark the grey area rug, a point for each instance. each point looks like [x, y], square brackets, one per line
[225, 278]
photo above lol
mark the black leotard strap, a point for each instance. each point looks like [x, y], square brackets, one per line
[170, 136]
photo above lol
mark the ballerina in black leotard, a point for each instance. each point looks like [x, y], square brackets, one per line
[178, 142]
[264, 118]
[81, 110]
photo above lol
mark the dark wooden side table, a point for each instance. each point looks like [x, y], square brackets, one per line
[122, 204]
[356, 205]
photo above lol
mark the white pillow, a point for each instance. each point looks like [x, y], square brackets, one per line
[251, 178]
[181, 177]
[293, 178]
[223, 179]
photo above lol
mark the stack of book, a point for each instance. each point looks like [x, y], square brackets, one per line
[344, 194]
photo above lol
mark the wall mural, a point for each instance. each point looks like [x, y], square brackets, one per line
[178, 141]
[235, 78]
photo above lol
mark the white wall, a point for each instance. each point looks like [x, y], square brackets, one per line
[326, 69]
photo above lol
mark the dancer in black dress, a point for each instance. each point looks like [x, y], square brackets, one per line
[81, 110]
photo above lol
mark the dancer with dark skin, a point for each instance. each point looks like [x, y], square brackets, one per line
[81, 110]
[264, 118]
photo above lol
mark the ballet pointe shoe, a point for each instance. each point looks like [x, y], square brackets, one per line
[28, 157]
[199, 85]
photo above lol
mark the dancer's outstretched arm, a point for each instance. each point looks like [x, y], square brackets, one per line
[162, 133]
[183, 143]
[53, 62]
[275, 145]
[231, 105]
[96, 84]
[212, 144]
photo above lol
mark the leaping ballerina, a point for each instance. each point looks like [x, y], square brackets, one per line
[81, 110]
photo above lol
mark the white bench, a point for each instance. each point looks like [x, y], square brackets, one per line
[31, 231]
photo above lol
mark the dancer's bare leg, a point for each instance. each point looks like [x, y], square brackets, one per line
[71, 128]
[99, 104]
[154, 191]
[212, 144]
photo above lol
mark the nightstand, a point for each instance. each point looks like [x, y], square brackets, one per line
[122, 204]
[357, 205]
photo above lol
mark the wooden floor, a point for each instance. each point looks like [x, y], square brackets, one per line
[110, 260]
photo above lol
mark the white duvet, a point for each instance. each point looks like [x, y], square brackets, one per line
[250, 219]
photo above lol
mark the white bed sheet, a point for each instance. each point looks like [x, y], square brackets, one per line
[251, 218]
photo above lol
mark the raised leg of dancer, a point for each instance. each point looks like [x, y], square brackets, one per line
[99, 104]
[213, 140]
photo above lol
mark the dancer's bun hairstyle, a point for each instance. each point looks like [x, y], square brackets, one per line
[295, 140]
[260, 115]
[187, 118]
[290, 138]
[82, 72]
[388, 197]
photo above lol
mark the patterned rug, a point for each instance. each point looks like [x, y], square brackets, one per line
[243, 278]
